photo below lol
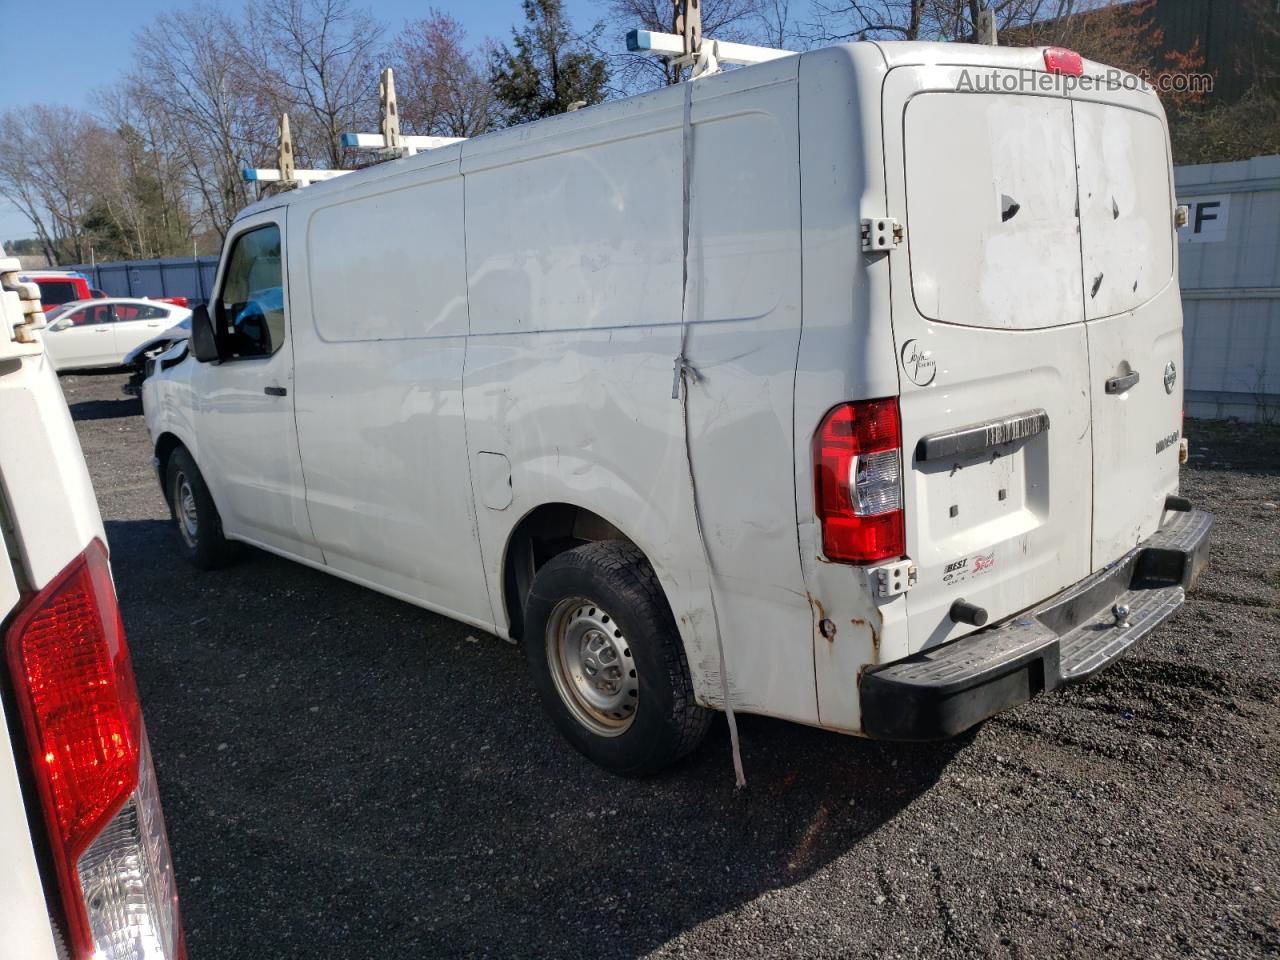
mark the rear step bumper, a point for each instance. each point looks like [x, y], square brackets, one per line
[944, 690]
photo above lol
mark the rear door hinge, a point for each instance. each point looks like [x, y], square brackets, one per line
[880, 234]
[891, 579]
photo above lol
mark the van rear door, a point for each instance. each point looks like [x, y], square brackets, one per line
[1133, 312]
[989, 327]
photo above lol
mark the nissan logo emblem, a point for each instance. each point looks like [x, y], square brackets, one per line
[1170, 377]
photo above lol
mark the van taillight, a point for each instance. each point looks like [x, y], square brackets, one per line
[83, 723]
[857, 465]
[1063, 61]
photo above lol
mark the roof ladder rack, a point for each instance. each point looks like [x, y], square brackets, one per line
[391, 142]
[286, 173]
[685, 46]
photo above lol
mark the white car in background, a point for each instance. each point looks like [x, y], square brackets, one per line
[101, 333]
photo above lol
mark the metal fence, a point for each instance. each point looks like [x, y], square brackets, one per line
[190, 277]
[1230, 277]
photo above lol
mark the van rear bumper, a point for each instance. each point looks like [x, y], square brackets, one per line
[940, 692]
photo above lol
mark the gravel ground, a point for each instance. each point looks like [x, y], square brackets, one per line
[345, 775]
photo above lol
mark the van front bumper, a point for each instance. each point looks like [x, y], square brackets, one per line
[946, 689]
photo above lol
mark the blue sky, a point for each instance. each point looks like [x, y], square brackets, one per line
[84, 44]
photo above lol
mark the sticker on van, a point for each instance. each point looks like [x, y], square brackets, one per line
[918, 365]
[958, 571]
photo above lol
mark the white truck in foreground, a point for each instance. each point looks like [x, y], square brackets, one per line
[85, 872]
[842, 388]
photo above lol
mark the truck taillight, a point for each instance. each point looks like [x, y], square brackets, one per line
[83, 723]
[857, 465]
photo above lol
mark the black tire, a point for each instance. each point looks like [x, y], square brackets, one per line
[197, 520]
[609, 590]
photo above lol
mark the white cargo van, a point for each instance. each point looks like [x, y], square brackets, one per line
[926, 341]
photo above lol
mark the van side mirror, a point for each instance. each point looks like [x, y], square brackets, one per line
[204, 345]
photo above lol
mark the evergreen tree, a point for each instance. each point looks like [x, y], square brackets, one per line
[549, 69]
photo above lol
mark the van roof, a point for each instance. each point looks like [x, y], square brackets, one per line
[894, 53]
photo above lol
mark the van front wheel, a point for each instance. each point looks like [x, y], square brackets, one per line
[199, 526]
[608, 662]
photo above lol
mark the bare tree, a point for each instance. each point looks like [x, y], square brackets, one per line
[19, 184]
[142, 190]
[837, 20]
[47, 157]
[442, 88]
[191, 75]
[318, 58]
[777, 28]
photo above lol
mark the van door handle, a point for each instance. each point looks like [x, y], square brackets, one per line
[1121, 384]
[275, 391]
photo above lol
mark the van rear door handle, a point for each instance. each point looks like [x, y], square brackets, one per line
[275, 391]
[1121, 384]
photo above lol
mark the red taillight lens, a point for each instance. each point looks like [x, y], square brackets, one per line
[1063, 61]
[83, 723]
[858, 477]
[68, 650]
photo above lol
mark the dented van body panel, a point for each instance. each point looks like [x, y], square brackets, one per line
[482, 341]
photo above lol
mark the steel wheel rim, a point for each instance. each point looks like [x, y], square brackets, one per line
[592, 667]
[185, 508]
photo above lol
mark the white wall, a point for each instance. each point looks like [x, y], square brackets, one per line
[1230, 278]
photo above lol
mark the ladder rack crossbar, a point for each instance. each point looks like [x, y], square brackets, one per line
[672, 46]
[273, 175]
[376, 141]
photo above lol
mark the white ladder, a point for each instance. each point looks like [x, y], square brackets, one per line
[390, 143]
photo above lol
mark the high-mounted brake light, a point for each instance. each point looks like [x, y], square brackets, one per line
[83, 723]
[1063, 61]
[858, 476]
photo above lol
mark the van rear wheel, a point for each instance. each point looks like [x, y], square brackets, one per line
[193, 511]
[608, 661]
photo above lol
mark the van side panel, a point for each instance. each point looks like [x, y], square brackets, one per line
[846, 350]
[378, 281]
[575, 322]
[745, 277]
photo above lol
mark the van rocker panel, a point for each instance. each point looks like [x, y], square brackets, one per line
[946, 689]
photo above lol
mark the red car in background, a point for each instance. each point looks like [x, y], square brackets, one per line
[66, 286]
